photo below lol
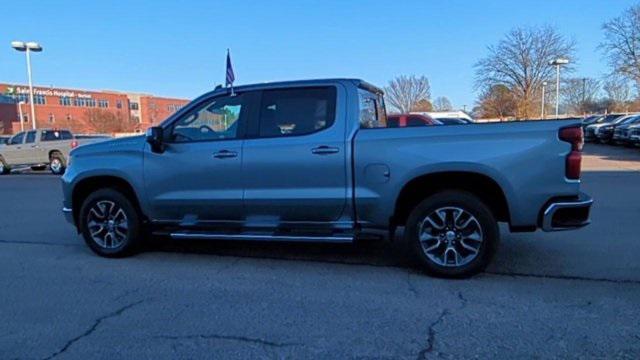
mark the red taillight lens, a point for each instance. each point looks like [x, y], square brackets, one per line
[573, 164]
[574, 136]
[74, 144]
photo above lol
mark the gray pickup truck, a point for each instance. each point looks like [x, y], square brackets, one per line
[39, 148]
[314, 161]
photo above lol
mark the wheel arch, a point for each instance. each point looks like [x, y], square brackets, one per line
[88, 185]
[420, 187]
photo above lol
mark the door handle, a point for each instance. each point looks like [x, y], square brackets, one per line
[225, 154]
[325, 150]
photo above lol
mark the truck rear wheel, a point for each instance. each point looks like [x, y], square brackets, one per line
[57, 164]
[453, 233]
[110, 224]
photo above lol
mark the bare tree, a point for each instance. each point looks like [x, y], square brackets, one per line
[618, 93]
[622, 44]
[103, 121]
[580, 95]
[496, 101]
[405, 92]
[521, 62]
[441, 103]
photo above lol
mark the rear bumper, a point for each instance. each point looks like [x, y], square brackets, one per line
[567, 214]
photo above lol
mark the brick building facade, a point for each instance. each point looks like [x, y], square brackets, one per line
[83, 111]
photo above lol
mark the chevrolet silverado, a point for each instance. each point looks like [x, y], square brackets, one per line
[315, 161]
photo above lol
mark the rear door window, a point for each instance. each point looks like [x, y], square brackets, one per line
[297, 111]
[31, 137]
[372, 111]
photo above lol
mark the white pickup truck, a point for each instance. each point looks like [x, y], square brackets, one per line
[40, 148]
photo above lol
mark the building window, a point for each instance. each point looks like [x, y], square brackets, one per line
[39, 100]
[80, 102]
[65, 101]
[119, 104]
[52, 118]
[23, 98]
[91, 102]
[134, 106]
[103, 103]
[136, 119]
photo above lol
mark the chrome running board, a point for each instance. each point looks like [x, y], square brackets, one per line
[262, 237]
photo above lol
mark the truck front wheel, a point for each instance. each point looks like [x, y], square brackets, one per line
[56, 164]
[110, 223]
[453, 233]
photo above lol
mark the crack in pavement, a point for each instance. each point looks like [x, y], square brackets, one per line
[19, 242]
[412, 288]
[563, 277]
[243, 339]
[93, 328]
[431, 332]
[431, 335]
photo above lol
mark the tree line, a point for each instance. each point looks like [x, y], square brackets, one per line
[512, 77]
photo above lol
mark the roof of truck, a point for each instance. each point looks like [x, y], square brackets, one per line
[310, 82]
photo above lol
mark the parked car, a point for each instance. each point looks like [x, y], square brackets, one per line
[38, 149]
[591, 130]
[634, 135]
[591, 120]
[621, 131]
[409, 120]
[314, 161]
[604, 133]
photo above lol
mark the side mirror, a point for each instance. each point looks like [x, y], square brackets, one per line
[154, 138]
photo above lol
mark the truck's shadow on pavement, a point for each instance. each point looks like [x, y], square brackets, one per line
[370, 252]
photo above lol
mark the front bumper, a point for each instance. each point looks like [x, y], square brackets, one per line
[68, 215]
[567, 214]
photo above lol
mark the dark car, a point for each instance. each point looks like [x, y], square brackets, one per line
[604, 133]
[591, 130]
[621, 131]
[409, 120]
[591, 120]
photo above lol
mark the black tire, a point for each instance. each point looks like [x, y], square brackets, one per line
[452, 201]
[57, 165]
[133, 238]
[4, 168]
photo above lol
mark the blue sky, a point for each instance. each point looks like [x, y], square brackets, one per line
[177, 48]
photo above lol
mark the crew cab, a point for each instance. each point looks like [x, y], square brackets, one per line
[39, 148]
[315, 161]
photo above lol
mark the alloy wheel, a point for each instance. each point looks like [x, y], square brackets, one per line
[107, 224]
[450, 236]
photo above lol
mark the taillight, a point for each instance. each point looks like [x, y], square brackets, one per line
[74, 144]
[574, 136]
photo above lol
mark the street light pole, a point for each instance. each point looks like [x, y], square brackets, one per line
[21, 116]
[557, 63]
[28, 47]
[544, 84]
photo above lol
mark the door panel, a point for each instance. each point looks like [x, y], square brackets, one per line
[198, 177]
[295, 170]
[189, 182]
[12, 152]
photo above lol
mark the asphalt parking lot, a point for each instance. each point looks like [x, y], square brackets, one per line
[567, 294]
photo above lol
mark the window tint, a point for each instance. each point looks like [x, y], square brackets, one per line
[17, 139]
[53, 135]
[372, 112]
[294, 112]
[416, 121]
[31, 137]
[216, 120]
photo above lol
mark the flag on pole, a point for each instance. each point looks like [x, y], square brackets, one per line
[230, 75]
